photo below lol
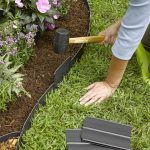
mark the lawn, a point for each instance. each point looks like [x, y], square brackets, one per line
[129, 105]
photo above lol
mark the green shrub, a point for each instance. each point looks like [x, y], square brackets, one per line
[10, 82]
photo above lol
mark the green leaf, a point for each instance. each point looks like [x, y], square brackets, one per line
[17, 75]
[9, 91]
[14, 69]
[1, 8]
[51, 12]
[16, 90]
[41, 17]
[26, 18]
[7, 1]
[49, 20]
[33, 3]
[34, 16]
[41, 25]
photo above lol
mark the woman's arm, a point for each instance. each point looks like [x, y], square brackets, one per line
[133, 27]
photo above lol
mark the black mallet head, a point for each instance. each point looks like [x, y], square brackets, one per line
[61, 40]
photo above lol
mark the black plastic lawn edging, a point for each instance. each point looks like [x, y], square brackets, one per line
[60, 72]
[106, 133]
[8, 136]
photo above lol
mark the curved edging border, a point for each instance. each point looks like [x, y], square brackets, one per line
[60, 72]
[9, 135]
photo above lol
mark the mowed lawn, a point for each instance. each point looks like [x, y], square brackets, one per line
[129, 105]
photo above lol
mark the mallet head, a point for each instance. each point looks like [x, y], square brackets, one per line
[61, 40]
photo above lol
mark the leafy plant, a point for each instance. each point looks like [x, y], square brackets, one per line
[10, 82]
[65, 6]
[16, 46]
[16, 42]
[41, 12]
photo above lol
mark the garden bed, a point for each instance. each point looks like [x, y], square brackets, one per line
[40, 69]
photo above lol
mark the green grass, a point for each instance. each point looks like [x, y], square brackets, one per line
[129, 105]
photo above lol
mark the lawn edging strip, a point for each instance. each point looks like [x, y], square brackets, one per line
[74, 142]
[62, 70]
[9, 135]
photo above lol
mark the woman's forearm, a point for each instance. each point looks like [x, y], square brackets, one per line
[116, 71]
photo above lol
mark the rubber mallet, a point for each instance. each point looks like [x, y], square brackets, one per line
[62, 40]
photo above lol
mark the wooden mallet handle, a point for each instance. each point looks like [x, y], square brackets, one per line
[62, 40]
[88, 39]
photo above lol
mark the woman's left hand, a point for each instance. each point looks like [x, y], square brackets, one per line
[97, 92]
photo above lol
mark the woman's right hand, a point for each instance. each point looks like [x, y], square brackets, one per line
[110, 33]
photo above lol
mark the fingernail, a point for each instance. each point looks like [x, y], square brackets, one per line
[81, 103]
[86, 105]
[80, 99]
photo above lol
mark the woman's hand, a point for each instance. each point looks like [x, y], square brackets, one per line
[97, 92]
[110, 33]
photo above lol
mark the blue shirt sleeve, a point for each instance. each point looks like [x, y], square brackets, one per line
[132, 29]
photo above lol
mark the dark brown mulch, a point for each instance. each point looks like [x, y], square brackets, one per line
[39, 71]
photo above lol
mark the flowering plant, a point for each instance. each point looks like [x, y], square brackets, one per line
[15, 42]
[16, 45]
[40, 12]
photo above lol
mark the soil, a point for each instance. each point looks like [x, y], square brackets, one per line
[39, 71]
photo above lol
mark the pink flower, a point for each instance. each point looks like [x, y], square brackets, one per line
[43, 5]
[19, 3]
